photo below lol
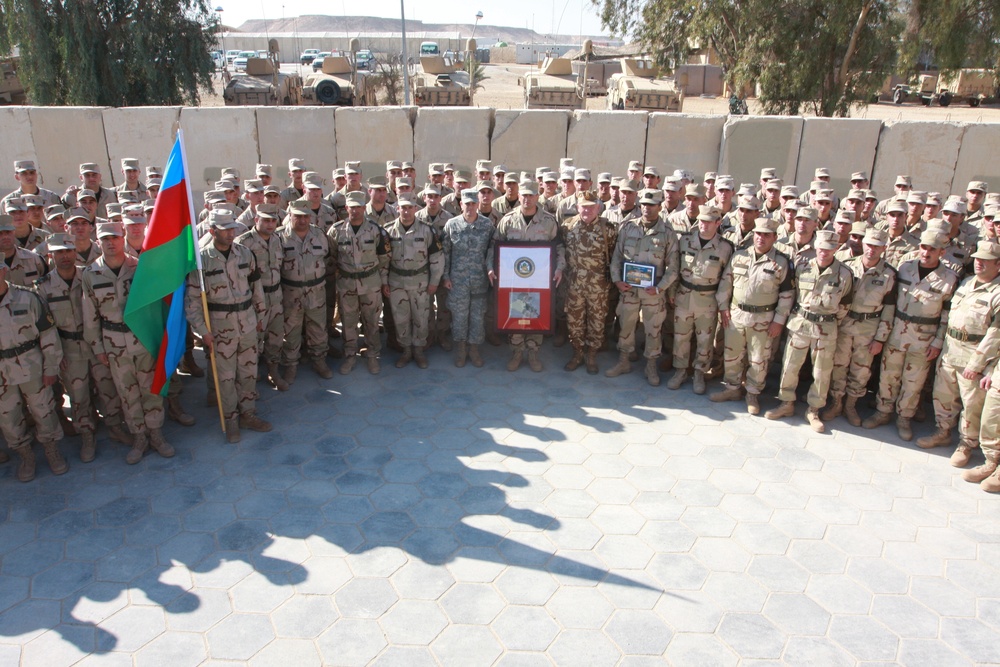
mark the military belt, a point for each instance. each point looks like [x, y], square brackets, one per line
[746, 308]
[360, 274]
[862, 317]
[699, 288]
[120, 327]
[410, 272]
[272, 288]
[958, 334]
[230, 307]
[813, 317]
[12, 352]
[917, 320]
[304, 283]
[70, 335]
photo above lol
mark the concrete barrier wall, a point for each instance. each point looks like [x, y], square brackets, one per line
[940, 156]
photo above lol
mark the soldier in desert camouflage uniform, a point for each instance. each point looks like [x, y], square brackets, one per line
[235, 302]
[466, 241]
[24, 266]
[265, 245]
[590, 241]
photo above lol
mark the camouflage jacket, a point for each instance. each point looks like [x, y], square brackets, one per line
[820, 293]
[701, 267]
[588, 250]
[360, 255]
[27, 337]
[268, 253]
[542, 227]
[25, 267]
[757, 288]
[467, 249]
[416, 260]
[654, 245]
[975, 312]
[65, 301]
[928, 299]
[104, 296]
[232, 289]
[874, 304]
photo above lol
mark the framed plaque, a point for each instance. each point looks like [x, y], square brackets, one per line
[639, 275]
[524, 291]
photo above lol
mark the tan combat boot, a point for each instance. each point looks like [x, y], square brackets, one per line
[445, 342]
[26, 467]
[785, 409]
[56, 461]
[233, 430]
[877, 419]
[474, 356]
[461, 354]
[534, 363]
[515, 360]
[406, 358]
[812, 416]
[851, 411]
[119, 433]
[652, 373]
[727, 394]
[753, 404]
[274, 378]
[176, 412]
[834, 410]
[981, 472]
[160, 444]
[320, 368]
[348, 364]
[939, 438]
[960, 457]
[904, 429]
[699, 383]
[373, 366]
[679, 378]
[575, 361]
[88, 450]
[991, 484]
[623, 367]
[420, 354]
[289, 375]
[139, 446]
[591, 361]
[251, 421]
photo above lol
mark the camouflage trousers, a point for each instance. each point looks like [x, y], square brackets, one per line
[411, 310]
[269, 340]
[748, 352]
[133, 376]
[700, 324]
[468, 315]
[852, 361]
[903, 374]
[797, 349]
[37, 398]
[364, 309]
[586, 312]
[653, 309]
[236, 359]
[299, 320]
[989, 428]
[78, 372]
[441, 323]
[953, 394]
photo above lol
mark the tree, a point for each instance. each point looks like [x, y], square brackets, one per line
[111, 52]
[476, 72]
[951, 34]
[816, 54]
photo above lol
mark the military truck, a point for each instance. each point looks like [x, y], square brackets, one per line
[974, 86]
[440, 82]
[553, 86]
[11, 89]
[338, 83]
[263, 84]
[638, 87]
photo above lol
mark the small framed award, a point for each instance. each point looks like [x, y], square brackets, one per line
[525, 297]
[639, 275]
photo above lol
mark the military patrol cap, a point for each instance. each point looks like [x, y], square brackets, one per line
[808, 213]
[651, 171]
[130, 163]
[483, 165]
[149, 204]
[14, 204]
[84, 193]
[683, 174]
[725, 183]
[896, 206]
[406, 166]
[581, 175]
[296, 164]
[789, 191]
[128, 197]
[990, 210]
[746, 189]
[510, 178]
[221, 220]
[156, 172]
[339, 173]
[404, 182]
[377, 182]
[875, 236]
[791, 204]
[587, 198]
[225, 184]
[135, 215]
[312, 181]
[859, 176]
[232, 174]
[32, 200]
[263, 170]
[903, 179]
[59, 242]
[482, 185]
[154, 183]
[253, 186]
[955, 206]
[774, 184]
[979, 186]
[708, 213]
[55, 211]
[750, 203]
[986, 250]
[356, 199]
[550, 177]
[406, 200]
[393, 165]
[634, 165]
[214, 196]
[821, 173]
[934, 198]
[24, 165]
[933, 239]
[856, 194]
[566, 163]
[629, 185]
[566, 175]
[938, 226]
[768, 173]
[301, 206]
[650, 196]
[272, 190]
[528, 188]
[435, 169]
[827, 240]
[604, 177]
[352, 167]
[694, 190]
[859, 228]
[470, 196]
[6, 225]
[448, 167]
[871, 194]
[672, 185]
[916, 197]
[844, 217]
[463, 177]
[766, 226]
[710, 176]
[993, 196]
[105, 229]
[269, 211]
[114, 210]
[430, 189]
[499, 169]
[90, 168]
[824, 195]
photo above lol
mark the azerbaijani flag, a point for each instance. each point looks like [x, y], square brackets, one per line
[155, 308]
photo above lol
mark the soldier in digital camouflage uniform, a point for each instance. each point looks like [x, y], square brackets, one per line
[235, 302]
[360, 250]
[864, 331]
[415, 269]
[590, 240]
[650, 241]
[265, 245]
[704, 254]
[823, 291]
[926, 287]
[971, 344]
[755, 299]
[106, 285]
[305, 253]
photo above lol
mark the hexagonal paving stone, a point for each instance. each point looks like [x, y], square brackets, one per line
[365, 598]
[130, 629]
[351, 641]
[418, 580]
[239, 636]
[699, 649]
[751, 636]
[864, 637]
[280, 652]
[173, 648]
[413, 622]
[639, 632]
[576, 607]
[525, 628]
[198, 613]
[472, 604]
[796, 614]
[466, 645]
[574, 647]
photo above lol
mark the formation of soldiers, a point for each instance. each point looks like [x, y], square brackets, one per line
[719, 275]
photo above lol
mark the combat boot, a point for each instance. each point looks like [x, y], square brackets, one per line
[406, 358]
[320, 368]
[785, 409]
[160, 444]
[753, 404]
[275, 379]
[233, 430]
[56, 461]
[904, 429]
[461, 354]
[515, 361]
[26, 468]
[877, 419]
[991, 484]
[699, 383]
[622, 368]
[348, 364]
[139, 447]
[289, 375]
[939, 438]
[666, 363]
[679, 378]
[493, 338]
[119, 433]
[534, 363]
[575, 362]
[251, 421]
[812, 416]
[176, 412]
[981, 472]
[652, 372]
[419, 353]
[88, 450]
[960, 457]
[190, 366]
[373, 366]
[474, 356]
[726, 394]
[851, 411]
[446, 342]
[591, 361]
[834, 410]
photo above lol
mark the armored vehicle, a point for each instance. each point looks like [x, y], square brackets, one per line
[440, 83]
[638, 87]
[338, 83]
[263, 84]
[553, 86]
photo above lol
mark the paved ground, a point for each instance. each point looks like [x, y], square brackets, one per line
[476, 517]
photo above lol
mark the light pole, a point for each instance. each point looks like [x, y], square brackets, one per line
[406, 65]
[219, 10]
[479, 17]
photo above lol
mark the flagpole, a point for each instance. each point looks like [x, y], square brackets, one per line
[201, 278]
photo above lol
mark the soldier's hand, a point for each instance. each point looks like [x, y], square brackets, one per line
[431, 289]
[63, 364]
[558, 276]
[73, 189]
[102, 359]
[49, 380]
[447, 282]
[874, 347]
[260, 326]
[725, 318]
[492, 276]
[385, 291]
[623, 286]
[970, 374]
[933, 352]
[986, 382]
[774, 329]
[207, 341]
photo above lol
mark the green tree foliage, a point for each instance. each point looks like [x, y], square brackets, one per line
[951, 34]
[477, 73]
[111, 52]
[814, 55]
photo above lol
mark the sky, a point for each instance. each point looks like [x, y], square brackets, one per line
[545, 16]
